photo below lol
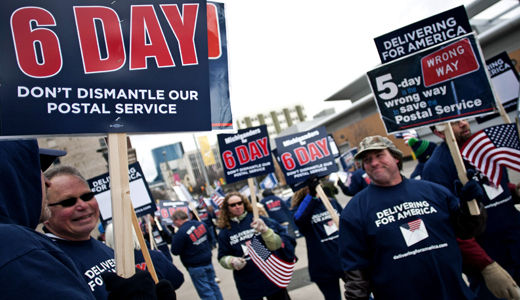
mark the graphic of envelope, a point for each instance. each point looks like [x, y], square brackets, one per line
[413, 232]
[330, 227]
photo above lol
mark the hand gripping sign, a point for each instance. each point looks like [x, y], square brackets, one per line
[305, 155]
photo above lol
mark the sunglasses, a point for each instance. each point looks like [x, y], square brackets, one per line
[72, 201]
[235, 204]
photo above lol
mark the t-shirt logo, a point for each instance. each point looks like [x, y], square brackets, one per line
[414, 232]
[330, 227]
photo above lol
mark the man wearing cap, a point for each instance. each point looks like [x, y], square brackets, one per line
[31, 265]
[492, 264]
[397, 236]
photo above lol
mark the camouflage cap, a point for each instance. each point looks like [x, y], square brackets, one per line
[376, 142]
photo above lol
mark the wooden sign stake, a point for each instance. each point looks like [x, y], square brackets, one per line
[459, 164]
[328, 206]
[253, 197]
[121, 206]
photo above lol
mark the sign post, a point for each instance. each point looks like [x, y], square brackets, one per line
[121, 206]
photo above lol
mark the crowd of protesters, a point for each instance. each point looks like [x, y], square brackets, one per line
[397, 238]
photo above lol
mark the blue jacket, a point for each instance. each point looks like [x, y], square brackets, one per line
[31, 265]
[192, 245]
[251, 283]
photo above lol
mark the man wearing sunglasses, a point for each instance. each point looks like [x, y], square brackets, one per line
[74, 215]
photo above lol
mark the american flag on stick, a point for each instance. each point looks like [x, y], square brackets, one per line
[491, 148]
[406, 135]
[275, 269]
[217, 197]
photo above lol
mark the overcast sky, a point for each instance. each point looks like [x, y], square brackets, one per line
[283, 53]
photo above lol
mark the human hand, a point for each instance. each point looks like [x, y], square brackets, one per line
[499, 282]
[312, 183]
[259, 225]
[238, 263]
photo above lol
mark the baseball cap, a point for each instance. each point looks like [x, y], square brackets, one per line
[376, 142]
[48, 156]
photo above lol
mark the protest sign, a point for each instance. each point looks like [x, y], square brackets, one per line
[347, 159]
[221, 116]
[246, 153]
[167, 208]
[423, 34]
[305, 154]
[443, 83]
[127, 67]
[505, 82]
[139, 193]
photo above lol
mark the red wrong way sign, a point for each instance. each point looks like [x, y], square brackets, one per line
[449, 62]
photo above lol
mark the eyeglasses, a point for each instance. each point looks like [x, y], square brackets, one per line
[235, 204]
[72, 201]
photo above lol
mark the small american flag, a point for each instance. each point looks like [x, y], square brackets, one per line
[491, 148]
[276, 270]
[414, 225]
[406, 135]
[217, 197]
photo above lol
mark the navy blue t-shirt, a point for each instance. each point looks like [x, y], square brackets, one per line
[501, 239]
[321, 237]
[251, 283]
[192, 245]
[92, 258]
[402, 235]
[276, 209]
[164, 268]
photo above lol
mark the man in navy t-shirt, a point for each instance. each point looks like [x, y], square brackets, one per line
[501, 239]
[192, 244]
[397, 236]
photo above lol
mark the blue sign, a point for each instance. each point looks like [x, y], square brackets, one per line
[245, 154]
[221, 117]
[140, 194]
[347, 159]
[423, 34]
[441, 84]
[304, 155]
[103, 67]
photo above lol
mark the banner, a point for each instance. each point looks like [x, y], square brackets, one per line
[505, 82]
[305, 154]
[205, 151]
[347, 159]
[167, 208]
[99, 67]
[423, 34]
[245, 154]
[440, 84]
[139, 193]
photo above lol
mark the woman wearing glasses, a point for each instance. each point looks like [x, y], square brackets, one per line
[74, 214]
[237, 228]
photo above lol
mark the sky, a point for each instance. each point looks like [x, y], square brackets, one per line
[284, 53]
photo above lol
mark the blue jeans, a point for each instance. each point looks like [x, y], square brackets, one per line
[203, 279]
